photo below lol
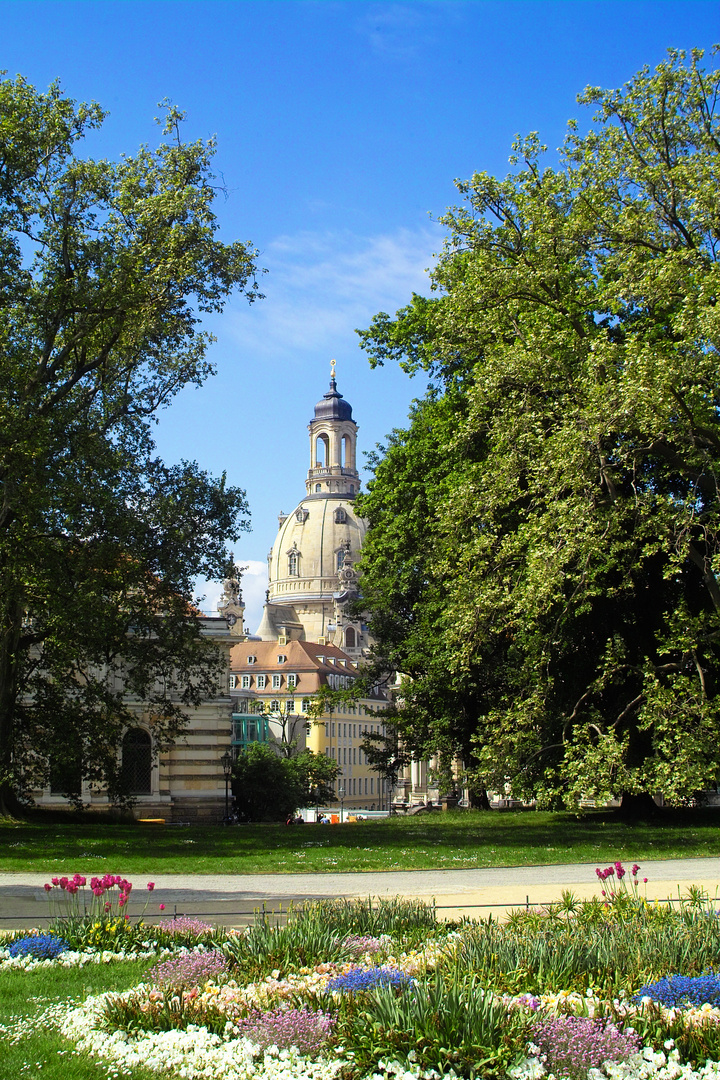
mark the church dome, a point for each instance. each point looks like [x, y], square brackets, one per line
[333, 405]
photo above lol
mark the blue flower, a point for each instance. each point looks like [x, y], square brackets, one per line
[359, 979]
[39, 946]
[684, 990]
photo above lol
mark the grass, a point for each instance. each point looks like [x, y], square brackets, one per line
[41, 1052]
[456, 840]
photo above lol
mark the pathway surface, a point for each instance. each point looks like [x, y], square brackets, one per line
[232, 898]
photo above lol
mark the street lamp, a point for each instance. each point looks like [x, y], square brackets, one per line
[341, 796]
[227, 763]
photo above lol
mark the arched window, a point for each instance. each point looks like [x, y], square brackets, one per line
[340, 559]
[322, 452]
[340, 516]
[349, 638]
[137, 762]
[293, 563]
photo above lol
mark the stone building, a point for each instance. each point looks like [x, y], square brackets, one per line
[184, 783]
[312, 580]
[272, 686]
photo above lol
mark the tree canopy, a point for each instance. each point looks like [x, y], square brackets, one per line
[106, 269]
[269, 785]
[543, 554]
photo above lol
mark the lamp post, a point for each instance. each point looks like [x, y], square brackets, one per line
[227, 763]
[341, 795]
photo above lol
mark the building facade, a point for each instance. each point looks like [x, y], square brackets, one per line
[184, 783]
[273, 685]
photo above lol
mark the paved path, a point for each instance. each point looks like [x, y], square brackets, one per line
[231, 898]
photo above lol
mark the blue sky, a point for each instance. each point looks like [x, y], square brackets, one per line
[340, 128]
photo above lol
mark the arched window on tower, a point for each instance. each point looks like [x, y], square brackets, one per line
[340, 557]
[137, 762]
[346, 451]
[340, 516]
[350, 638]
[293, 563]
[322, 451]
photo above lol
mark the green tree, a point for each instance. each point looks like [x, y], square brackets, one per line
[269, 786]
[315, 776]
[263, 786]
[105, 271]
[544, 544]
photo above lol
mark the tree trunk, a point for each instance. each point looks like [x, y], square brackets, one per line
[638, 807]
[10, 633]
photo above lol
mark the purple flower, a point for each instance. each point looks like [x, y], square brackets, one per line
[573, 1044]
[192, 969]
[303, 1028]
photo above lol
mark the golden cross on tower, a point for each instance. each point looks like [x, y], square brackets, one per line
[332, 368]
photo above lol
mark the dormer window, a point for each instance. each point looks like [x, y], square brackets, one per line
[276, 682]
[282, 659]
[261, 682]
[252, 659]
[292, 681]
[232, 682]
[302, 515]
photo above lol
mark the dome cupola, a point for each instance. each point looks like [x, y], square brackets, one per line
[333, 405]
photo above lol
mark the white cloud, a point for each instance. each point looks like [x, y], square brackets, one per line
[323, 285]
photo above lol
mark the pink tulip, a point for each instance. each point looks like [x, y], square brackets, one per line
[47, 888]
[162, 907]
[150, 886]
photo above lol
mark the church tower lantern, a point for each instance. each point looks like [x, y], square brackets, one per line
[312, 581]
[333, 440]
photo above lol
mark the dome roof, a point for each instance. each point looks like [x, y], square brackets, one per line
[333, 405]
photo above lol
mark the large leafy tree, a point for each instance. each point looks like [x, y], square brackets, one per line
[544, 549]
[105, 270]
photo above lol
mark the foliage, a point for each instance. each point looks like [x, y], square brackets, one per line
[268, 787]
[303, 940]
[262, 786]
[315, 776]
[544, 536]
[39, 946]
[442, 1024]
[105, 270]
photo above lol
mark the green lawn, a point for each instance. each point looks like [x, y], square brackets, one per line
[32, 1048]
[430, 841]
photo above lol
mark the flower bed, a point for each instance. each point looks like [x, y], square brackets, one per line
[613, 988]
